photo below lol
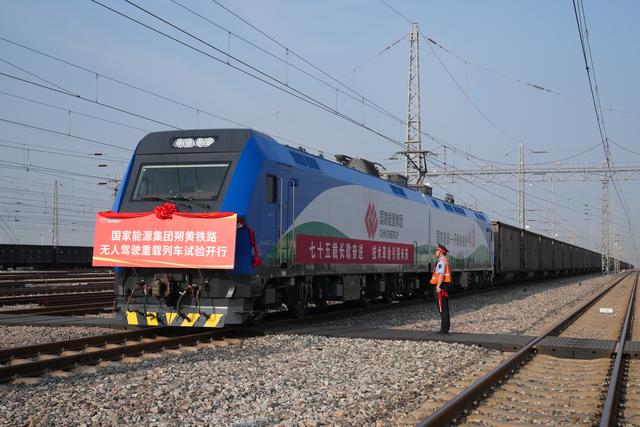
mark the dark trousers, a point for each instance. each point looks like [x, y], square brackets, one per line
[445, 321]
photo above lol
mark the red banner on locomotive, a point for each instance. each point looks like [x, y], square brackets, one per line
[165, 239]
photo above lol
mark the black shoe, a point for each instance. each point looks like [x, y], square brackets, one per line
[442, 332]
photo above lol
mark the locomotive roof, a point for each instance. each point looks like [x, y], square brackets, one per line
[235, 140]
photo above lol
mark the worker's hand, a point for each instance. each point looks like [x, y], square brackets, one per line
[438, 290]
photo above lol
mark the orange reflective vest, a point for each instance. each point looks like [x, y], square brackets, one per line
[447, 273]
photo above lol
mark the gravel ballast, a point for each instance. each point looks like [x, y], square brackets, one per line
[292, 380]
[275, 380]
[524, 309]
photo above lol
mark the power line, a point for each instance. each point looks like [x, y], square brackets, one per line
[57, 107]
[275, 83]
[466, 95]
[623, 148]
[583, 32]
[57, 153]
[400, 120]
[17, 165]
[282, 86]
[68, 135]
[34, 75]
[102, 104]
[460, 88]
[355, 96]
[149, 92]
[60, 151]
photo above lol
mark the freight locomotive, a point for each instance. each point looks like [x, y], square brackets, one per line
[324, 231]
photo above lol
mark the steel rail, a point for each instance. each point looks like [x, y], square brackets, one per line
[22, 283]
[608, 417]
[57, 298]
[30, 351]
[54, 290]
[76, 357]
[77, 298]
[62, 310]
[456, 407]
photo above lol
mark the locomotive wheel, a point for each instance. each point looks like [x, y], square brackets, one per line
[321, 303]
[364, 300]
[389, 298]
[257, 317]
[299, 309]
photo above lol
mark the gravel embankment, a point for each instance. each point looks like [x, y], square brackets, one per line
[276, 380]
[18, 336]
[525, 309]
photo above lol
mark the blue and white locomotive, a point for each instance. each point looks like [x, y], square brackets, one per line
[324, 231]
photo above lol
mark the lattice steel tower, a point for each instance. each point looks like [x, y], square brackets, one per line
[415, 165]
[55, 223]
[604, 226]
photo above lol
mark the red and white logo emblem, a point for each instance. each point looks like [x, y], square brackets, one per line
[371, 220]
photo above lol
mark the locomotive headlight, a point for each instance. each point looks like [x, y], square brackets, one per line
[204, 142]
[193, 142]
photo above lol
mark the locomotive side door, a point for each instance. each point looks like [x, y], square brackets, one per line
[284, 216]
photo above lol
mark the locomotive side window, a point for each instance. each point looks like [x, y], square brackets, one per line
[197, 181]
[271, 189]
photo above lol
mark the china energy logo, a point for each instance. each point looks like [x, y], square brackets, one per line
[371, 220]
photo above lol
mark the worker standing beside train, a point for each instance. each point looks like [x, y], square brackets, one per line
[441, 278]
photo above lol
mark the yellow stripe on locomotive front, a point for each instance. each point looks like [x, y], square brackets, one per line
[174, 319]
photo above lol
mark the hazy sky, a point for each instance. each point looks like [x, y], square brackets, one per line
[503, 41]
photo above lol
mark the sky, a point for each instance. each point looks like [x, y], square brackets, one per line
[121, 80]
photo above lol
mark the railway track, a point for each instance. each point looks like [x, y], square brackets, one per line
[631, 390]
[36, 356]
[52, 290]
[529, 388]
[12, 281]
[54, 358]
[58, 298]
[78, 303]
[66, 310]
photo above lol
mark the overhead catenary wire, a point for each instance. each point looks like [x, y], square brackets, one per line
[68, 110]
[262, 76]
[80, 97]
[585, 45]
[60, 151]
[68, 135]
[524, 82]
[581, 22]
[140, 89]
[399, 119]
[280, 84]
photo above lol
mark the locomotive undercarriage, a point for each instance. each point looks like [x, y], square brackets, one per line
[214, 298]
[298, 293]
[184, 298]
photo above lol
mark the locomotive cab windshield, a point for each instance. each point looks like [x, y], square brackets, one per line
[180, 181]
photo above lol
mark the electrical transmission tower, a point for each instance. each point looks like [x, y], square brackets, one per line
[55, 220]
[415, 163]
[605, 247]
[502, 175]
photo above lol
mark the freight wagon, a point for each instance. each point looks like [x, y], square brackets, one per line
[39, 257]
[522, 255]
